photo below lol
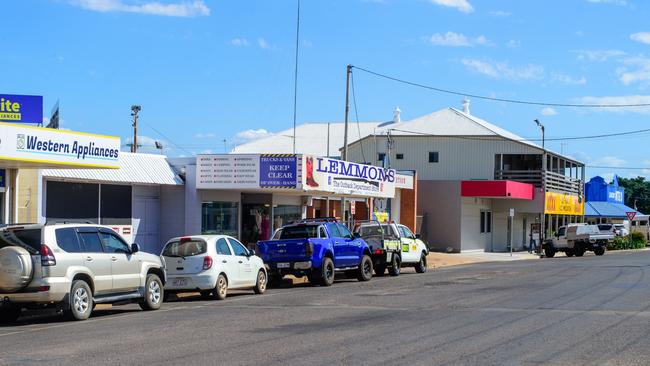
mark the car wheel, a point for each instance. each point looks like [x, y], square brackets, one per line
[599, 251]
[569, 252]
[221, 288]
[395, 265]
[9, 314]
[81, 301]
[549, 252]
[579, 252]
[365, 269]
[380, 270]
[275, 281]
[421, 267]
[260, 286]
[153, 293]
[327, 274]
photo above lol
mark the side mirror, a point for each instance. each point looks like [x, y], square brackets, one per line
[356, 235]
[417, 236]
[135, 248]
[251, 252]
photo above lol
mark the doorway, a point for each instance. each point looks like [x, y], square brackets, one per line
[257, 212]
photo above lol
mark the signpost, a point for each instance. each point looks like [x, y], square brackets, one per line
[512, 226]
[631, 215]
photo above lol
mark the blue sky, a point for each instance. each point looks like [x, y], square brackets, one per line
[205, 71]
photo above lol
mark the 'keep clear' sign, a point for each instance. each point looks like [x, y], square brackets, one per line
[278, 171]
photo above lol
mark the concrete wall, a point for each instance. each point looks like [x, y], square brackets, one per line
[471, 236]
[440, 202]
[27, 201]
[172, 212]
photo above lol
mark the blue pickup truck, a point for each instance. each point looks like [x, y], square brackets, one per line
[317, 248]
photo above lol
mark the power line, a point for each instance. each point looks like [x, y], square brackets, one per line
[516, 101]
[356, 114]
[617, 167]
[167, 138]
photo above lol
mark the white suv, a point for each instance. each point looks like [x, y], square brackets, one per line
[73, 267]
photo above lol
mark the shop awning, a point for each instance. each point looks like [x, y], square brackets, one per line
[608, 209]
[496, 189]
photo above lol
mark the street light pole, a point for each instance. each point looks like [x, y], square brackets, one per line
[344, 155]
[134, 113]
[542, 234]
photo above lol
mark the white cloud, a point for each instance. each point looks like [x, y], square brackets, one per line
[239, 42]
[548, 111]
[461, 5]
[453, 39]
[180, 9]
[619, 100]
[615, 2]
[566, 79]
[251, 134]
[612, 161]
[635, 70]
[513, 43]
[643, 37]
[500, 13]
[598, 55]
[208, 135]
[263, 43]
[501, 70]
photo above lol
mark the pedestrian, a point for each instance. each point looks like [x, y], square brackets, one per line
[532, 247]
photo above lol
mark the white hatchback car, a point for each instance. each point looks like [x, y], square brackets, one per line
[212, 264]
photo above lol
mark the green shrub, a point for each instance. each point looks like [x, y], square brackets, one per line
[633, 241]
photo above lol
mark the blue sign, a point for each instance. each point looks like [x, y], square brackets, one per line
[21, 108]
[597, 190]
[278, 171]
[3, 174]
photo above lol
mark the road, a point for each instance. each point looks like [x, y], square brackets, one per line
[560, 311]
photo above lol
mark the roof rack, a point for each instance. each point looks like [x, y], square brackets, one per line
[319, 219]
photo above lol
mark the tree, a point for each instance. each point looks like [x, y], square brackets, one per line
[636, 189]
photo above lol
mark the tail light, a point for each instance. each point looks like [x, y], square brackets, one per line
[378, 251]
[47, 256]
[207, 262]
[309, 249]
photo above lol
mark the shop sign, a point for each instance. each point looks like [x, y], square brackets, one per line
[228, 171]
[563, 204]
[47, 146]
[344, 177]
[403, 181]
[278, 171]
[21, 108]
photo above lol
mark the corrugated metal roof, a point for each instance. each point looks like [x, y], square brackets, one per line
[311, 138]
[607, 209]
[134, 168]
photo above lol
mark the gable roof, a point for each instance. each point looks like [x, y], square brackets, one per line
[311, 138]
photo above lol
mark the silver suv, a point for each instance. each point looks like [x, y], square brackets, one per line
[73, 267]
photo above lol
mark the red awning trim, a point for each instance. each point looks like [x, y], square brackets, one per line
[497, 189]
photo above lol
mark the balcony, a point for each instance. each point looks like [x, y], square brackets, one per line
[538, 178]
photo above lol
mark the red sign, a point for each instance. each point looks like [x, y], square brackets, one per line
[631, 215]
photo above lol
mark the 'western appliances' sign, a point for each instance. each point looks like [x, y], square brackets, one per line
[21, 108]
[344, 177]
[46, 147]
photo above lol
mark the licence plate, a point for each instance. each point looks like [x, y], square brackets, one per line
[179, 282]
[284, 265]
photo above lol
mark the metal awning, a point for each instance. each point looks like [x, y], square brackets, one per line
[497, 189]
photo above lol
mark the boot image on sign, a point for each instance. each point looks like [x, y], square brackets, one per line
[310, 173]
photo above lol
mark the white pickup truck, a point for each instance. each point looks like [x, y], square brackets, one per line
[576, 239]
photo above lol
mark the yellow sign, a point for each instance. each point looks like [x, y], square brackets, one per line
[563, 204]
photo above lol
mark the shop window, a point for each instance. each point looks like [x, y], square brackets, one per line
[285, 214]
[381, 156]
[220, 218]
[433, 156]
[115, 204]
[486, 222]
[77, 202]
[399, 156]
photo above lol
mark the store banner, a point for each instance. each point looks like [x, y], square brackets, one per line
[278, 171]
[46, 146]
[228, 171]
[563, 204]
[21, 108]
[403, 181]
[344, 177]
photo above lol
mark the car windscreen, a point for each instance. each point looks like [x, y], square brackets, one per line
[605, 227]
[29, 239]
[184, 248]
[299, 232]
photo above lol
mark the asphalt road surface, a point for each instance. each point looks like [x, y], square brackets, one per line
[560, 311]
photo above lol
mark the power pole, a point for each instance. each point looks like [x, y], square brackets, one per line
[134, 113]
[347, 111]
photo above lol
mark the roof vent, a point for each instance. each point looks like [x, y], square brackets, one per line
[396, 115]
[465, 106]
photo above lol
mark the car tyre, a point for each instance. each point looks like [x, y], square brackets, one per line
[275, 281]
[579, 252]
[81, 301]
[327, 272]
[9, 314]
[549, 252]
[569, 252]
[154, 293]
[380, 270]
[221, 288]
[260, 285]
[599, 251]
[421, 267]
[395, 265]
[364, 273]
